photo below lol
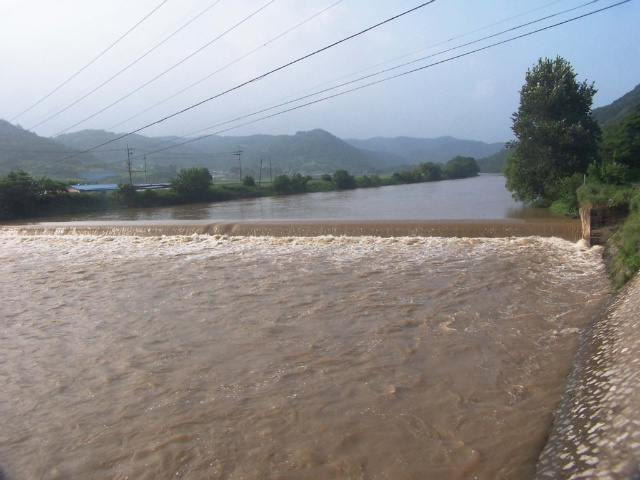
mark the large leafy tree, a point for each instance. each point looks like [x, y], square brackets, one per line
[556, 136]
[19, 193]
[193, 184]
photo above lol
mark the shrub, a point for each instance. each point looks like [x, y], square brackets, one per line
[282, 184]
[565, 193]
[19, 193]
[298, 183]
[344, 180]
[193, 184]
[126, 194]
[248, 181]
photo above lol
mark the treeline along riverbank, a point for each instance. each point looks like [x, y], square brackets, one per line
[22, 196]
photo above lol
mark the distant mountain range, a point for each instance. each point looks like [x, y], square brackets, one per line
[418, 150]
[312, 152]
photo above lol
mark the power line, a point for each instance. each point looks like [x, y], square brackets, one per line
[392, 77]
[88, 64]
[166, 71]
[126, 68]
[486, 47]
[227, 66]
[261, 76]
[389, 69]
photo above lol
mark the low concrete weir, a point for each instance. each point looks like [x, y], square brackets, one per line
[596, 432]
[561, 228]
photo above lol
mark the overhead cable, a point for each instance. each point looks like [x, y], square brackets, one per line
[486, 47]
[88, 64]
[166, 71]
[226, 66]
[258, 78]
[386, 70]
[125, 68]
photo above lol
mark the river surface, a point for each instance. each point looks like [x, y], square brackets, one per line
[483, 197]
[261, 357]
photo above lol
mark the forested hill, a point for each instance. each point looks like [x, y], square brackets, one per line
[311, 152]
[418, 150]
[619, 109]
[23, 150]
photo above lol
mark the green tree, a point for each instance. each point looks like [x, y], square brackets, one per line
[432, 172]
[326, 177]
[344, 180]
[19, 194]
[248, 181]
[193, 184]
[621, 141]
[282, 184]
[556, 136]
[461, 167]
[127, 194]
[299, 182]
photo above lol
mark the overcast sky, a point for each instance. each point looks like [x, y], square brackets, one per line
[44, 43]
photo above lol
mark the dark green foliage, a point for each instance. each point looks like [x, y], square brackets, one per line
[248, 181]
[565, 192]
[326, 177]
[605, 195]
[610, 172]
[193, 184]
[127, 195]
[299, 182]
[461, 167]
[431, 172]
[404, 177]
[494, 163]
[556, 134]
[282, 184]
[621, 140]
[623, 249]
[19, 194]
[344, 180]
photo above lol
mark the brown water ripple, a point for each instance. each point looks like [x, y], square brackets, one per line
[220, 357]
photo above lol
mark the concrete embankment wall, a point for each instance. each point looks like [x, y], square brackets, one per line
[596, 432]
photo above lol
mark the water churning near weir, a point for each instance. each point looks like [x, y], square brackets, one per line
[549, 227]
[227, 356]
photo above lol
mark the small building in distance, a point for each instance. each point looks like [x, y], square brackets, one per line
[102, 188]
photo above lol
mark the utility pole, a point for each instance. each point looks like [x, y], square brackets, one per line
[145, 170]
[129, 153]
[239, 154]
[260, 178]
[270, 176]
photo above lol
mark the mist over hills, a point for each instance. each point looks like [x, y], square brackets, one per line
[23, 150]
[418, 150]
[312, 152]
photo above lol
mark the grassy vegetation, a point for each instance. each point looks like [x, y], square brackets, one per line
[622, 251]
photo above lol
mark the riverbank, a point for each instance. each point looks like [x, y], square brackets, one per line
[596, 432]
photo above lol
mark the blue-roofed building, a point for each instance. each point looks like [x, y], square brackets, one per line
[103, 188]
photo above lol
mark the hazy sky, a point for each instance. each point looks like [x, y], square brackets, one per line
[44, 43]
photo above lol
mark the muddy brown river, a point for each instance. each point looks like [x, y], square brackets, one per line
[259, 357]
